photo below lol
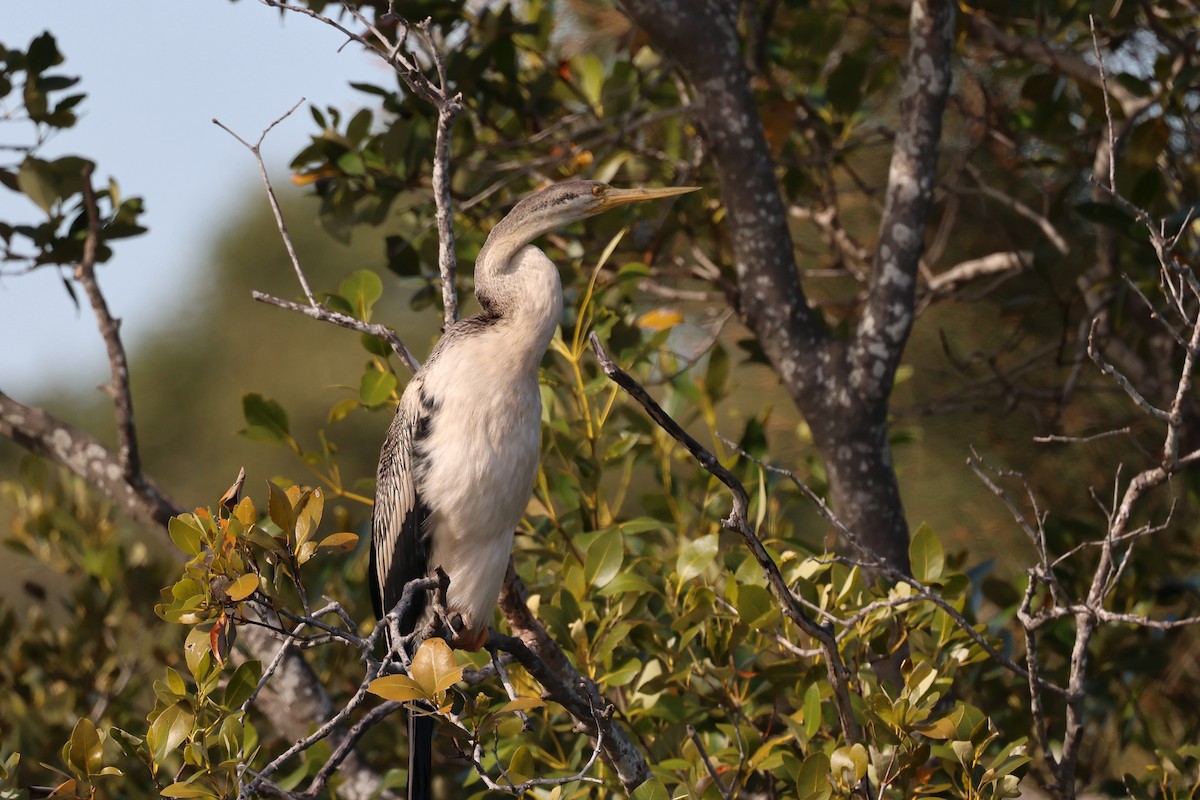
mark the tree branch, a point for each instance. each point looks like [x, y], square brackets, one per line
[888, 316]
[118, 389]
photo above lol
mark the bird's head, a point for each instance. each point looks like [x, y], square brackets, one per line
[570, 201]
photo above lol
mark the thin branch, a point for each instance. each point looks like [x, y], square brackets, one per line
[976, 268]
[320, 312]
[727, 793]
[85, 273]
[256, 150]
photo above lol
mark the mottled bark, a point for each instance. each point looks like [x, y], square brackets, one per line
[842, 386]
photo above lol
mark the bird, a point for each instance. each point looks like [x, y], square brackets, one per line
[458, 464]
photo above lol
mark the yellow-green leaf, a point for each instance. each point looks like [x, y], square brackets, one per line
[376, 387]
[279, 507]
[925, 553]
[185, 533]
[86, 750]
[308, 514]
[522, 704]
[604, 558]
[243, 587]
[343, 542]
[186, 790]
[434, 668]
[520, 766]
[169, 730]
[650, 790]
[659, 319]
[812, 782]
[400, 688]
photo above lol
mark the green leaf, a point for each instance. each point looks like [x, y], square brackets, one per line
[186, 790]
[86, 749]
[266, 419]
[39, 182]
[185, 532]
[590, 76]
[849, 763]
[376, 387]
[812, 782]
[925, 553]
[756, 605]
[361, 290]
[520, 766]
[696, 556]
[812, 711]
[279, 508]
[604, 557]
[169, 730]
[650, 790]
[242, 684]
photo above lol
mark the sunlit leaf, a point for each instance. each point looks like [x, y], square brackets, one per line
[185, 533]
[243, 587]
[187, 790]
[308, 514]
[604, 557]
[169, 730]
[86, 749]
[362, 289]
[341, 542]
[399, 688]
[925, 554]
[434, 668]
[696, 556]
[279, 508]
[376, 387]
[659, 319]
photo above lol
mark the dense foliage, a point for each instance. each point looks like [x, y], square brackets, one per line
[624, 551]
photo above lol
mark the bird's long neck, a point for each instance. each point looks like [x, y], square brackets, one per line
[519, 284]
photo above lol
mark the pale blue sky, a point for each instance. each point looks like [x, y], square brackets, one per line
[156, 72]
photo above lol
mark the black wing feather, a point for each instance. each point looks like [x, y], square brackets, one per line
[399, 535]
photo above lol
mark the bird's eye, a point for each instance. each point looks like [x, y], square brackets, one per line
[599, 189]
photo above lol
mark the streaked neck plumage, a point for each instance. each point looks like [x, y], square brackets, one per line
[517, 283]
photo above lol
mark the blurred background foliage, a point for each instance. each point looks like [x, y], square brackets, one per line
[622, 548]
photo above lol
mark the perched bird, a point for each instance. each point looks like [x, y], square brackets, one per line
[458, 465]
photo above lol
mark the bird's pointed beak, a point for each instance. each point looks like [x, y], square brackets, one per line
[619, 197]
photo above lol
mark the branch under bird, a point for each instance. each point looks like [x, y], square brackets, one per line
[458, 465]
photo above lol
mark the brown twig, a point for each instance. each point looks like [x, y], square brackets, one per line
[118, 389]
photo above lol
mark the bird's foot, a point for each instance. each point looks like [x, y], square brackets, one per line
[464, 638]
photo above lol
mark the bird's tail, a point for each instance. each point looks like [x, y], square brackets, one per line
[420, 756]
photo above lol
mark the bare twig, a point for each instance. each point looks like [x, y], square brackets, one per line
[118, 389]
[324, 314]
[726, 792]
[256, 150]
